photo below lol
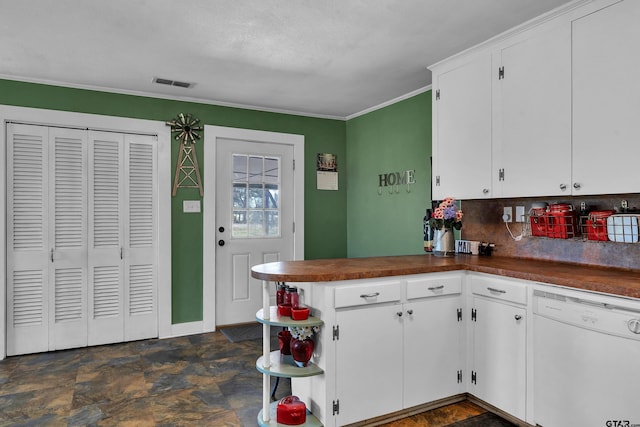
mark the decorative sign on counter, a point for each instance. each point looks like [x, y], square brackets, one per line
[395, 180]
[327, 171]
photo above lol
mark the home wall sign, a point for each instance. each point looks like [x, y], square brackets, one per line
[395, 179]
[187, 174]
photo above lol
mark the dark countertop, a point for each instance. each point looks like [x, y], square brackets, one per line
[616, 281]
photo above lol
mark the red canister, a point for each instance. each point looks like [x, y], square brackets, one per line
[291, 411]
[597, 225]
[538, 219]
[561, 222]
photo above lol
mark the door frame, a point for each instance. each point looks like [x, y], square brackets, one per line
[98, 122]
[211, 136]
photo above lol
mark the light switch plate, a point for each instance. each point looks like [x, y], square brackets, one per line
[191, 206]
[519, 213]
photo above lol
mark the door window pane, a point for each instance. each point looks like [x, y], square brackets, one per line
[256, 194]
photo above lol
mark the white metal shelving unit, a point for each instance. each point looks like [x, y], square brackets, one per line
[272, 363]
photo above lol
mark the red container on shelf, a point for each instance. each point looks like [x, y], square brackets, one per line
[538, 219]
[561, 221]
[291, 411]
[597, 225]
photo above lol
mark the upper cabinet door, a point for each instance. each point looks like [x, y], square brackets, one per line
[606, 100]
[532, 140]
[462, 131]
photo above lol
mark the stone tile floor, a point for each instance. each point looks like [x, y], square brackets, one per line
[199, 380]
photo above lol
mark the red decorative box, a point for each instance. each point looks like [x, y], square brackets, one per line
[291, 411]
[597, 225]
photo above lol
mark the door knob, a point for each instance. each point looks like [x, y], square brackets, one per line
[220, 242]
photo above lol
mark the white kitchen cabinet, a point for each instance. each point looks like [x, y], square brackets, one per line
[432, 349]
[562, 118]
[369, 353]
[462, 130]
[498, 331]
[396, 343]
[532, 114]
[606, 100]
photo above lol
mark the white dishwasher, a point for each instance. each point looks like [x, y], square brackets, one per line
[586, 360]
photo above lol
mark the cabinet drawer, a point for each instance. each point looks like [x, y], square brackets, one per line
[433, 286]
[499, 289]
[367, 293]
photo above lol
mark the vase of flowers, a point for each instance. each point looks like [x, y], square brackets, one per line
[302, 344]
[444, 219]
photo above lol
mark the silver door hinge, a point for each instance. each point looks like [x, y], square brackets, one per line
[336, 333]
[336, 406]
[459, 315]
[294, 164]
[500, 174]
[460, 376]
[474, 315]
[437, 94]
[294, 227]
[474, 377]
[437, 180]
[500, 73]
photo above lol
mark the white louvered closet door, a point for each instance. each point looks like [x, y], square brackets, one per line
[67, 238]
[27, 239]
[106, 237]
[81, 238]
[141, 307]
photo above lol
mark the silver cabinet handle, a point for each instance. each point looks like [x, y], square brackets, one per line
[517, 317]
[375, 294]
[409, 312]
[563, 187]
[576, 185]
[435, 288]
[500, 291]
[485, 191]
[399, 314]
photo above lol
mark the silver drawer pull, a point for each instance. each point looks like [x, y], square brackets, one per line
[375, 294]
[500, 291]
[435, 288]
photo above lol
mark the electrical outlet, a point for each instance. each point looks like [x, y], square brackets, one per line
[519, 213]
[507, 214]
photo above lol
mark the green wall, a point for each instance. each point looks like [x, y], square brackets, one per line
[393, 139]
[325, 211]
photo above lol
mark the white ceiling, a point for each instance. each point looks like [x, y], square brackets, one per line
[329, 58]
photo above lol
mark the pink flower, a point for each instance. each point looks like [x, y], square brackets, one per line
[459, 215]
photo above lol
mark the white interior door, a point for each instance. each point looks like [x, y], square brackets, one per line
[254, 221]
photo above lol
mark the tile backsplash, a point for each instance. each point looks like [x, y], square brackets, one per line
[483, 222]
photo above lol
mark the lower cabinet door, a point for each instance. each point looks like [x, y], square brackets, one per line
[432, 349]
[499, 355]
[369, 372]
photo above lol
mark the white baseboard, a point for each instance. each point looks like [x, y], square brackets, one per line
[188, 328]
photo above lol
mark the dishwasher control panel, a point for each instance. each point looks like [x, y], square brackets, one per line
[603, 317]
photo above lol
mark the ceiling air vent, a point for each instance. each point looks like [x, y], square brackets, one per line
[168, 82]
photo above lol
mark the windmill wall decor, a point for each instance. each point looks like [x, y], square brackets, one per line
[187, 174]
